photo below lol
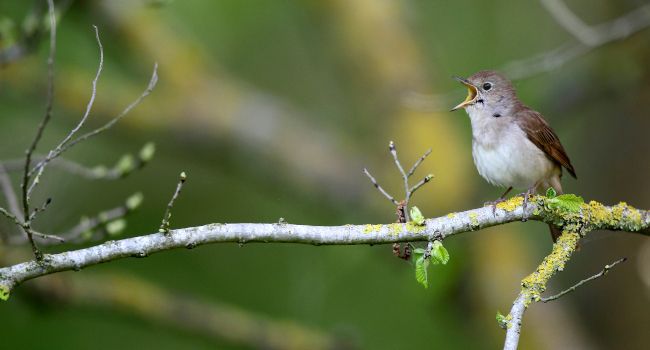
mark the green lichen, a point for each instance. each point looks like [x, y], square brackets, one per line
[451, 215]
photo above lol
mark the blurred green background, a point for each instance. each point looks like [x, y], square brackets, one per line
[273, 108]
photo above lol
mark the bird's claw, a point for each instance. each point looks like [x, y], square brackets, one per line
[494, 204]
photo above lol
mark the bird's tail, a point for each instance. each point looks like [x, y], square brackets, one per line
[555, 232]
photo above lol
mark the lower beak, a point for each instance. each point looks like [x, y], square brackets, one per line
[472, 93]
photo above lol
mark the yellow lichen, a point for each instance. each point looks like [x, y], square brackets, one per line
[451, 215]
[535, 283]
[473, 219]
[511, 204]
[371, 228]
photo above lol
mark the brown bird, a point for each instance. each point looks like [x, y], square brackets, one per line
[512, 145]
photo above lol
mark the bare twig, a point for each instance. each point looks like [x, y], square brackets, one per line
[39, 131]
[420, 184]
[602, 273]
[152, 84]
[374, 183]
[408, 191]
[164, 225]
[405, 178]
[40, 209]
[58, 149]
[619, 217]
[418, 162]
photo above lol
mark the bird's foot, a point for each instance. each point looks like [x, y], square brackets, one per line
[501, 199]
[494, 204]
[526, 195]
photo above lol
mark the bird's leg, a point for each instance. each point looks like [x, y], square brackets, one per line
[499, 200]
[527, 194]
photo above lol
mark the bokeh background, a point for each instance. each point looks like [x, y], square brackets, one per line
[273, 108]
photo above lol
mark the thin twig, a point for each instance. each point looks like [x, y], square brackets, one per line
[41, 209]
[11, 217]
[39, 131]
[374, 183]
[152, 83]
[602, 273]
[405, 178]
[57, 150]
[420, 184]
[418, 162]
[164, 225]
[21, 240]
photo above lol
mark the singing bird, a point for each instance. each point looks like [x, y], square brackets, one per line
[512, 145]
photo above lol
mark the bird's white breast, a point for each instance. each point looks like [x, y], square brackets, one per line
[504, 155]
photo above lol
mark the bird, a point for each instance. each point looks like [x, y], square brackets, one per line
[513, 146]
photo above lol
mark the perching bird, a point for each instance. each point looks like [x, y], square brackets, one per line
[512, 145]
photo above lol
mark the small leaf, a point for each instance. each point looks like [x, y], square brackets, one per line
[416, 216]
[4, 293]
[439, 255]
[550, 193]
[100, 171]
[421, 276]
[134, 201]
[126, 164]
[147, 151]
[418, 251]
[115, 227]
[503, 321]
[567, 202]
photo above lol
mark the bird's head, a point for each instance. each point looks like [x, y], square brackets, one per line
[487, 90]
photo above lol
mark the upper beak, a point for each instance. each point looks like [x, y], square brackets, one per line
[472, 93]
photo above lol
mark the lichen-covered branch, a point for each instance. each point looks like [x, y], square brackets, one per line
[577, 222]
[590, 216]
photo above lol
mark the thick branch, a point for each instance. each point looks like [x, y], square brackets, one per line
[596, 216]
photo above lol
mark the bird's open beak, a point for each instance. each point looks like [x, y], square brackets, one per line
[472, 93]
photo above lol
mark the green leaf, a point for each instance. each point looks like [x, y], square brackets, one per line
[418, 251]
[567, 202]
[439, 255]
[503, 321]
[147, 151]
[550, 193]
[416, 216]
[115, 227]
[100, 171]
[421, 276]
[126, 164]
[134, 201]
[4, 293]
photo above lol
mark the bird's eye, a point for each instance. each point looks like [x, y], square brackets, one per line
[487, 86]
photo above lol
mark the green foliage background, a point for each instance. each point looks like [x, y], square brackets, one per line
[273, 108]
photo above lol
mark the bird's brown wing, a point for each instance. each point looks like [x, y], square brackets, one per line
[541, 134]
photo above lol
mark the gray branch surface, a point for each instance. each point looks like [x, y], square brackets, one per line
[436, 228]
